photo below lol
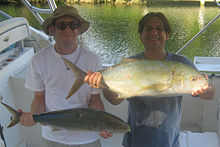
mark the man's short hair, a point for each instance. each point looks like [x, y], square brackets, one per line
[159, 15]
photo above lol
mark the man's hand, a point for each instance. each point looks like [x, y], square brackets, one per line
[26, 118]
[93, 79]
[207, 92]
[105, 134]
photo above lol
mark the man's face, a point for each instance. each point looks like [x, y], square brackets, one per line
[154, 35]
[66, 29]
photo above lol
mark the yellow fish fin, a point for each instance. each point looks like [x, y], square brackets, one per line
[114, 94]
[156, 87]
[43, 124]
[127, 60]
[54, 129]
[121, 96]
[109, 92]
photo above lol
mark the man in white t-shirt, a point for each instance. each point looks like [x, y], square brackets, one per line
[51, 80]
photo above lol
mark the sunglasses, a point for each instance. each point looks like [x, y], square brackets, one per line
[62, 25]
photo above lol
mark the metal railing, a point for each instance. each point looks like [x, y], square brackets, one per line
[35, 11]
[180, 50]
[5, 14]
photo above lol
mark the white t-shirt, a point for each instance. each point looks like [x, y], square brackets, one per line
[47, 72]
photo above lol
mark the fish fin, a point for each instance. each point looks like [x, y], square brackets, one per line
[122, 96]
[54, 129]
[77, 84]
[156, 87]
[15, 115]
[43, 124]
[126, 60]
[115, 94]
[161, 87]
[79, 77]
[107, 91]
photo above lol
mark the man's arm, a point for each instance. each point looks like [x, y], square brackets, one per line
[94, 80]
[37, 107]
[38, 104]
[96, 103]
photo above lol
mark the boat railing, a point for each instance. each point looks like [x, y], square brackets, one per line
[4, 15]
[35, 11]
[214, 19]
[218, 4]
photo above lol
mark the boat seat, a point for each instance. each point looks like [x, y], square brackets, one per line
[13, 30]
[192, 139]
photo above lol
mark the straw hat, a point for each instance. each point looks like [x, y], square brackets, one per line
[63, 11]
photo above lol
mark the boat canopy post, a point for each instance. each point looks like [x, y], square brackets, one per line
[52, 4]
[198, 34]
[217, 3]
[180, 50]
[5, 14]
[35, 11]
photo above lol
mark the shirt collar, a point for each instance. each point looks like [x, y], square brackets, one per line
[72, 55]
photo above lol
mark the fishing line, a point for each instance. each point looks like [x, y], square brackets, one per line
[76, 58]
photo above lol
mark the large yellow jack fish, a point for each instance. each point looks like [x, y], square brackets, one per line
[141, 77]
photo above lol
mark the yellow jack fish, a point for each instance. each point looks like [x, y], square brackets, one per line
[141, 77]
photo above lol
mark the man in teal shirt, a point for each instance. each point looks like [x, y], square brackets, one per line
[155, 122]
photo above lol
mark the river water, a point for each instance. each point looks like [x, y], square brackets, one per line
[113, 30]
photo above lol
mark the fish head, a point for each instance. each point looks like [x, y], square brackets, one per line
[193, 80]
[118, 126]
[198, 82]
[115, 124]
[120, 129]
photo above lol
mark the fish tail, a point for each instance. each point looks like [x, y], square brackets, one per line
[79, 77]
[15, 115]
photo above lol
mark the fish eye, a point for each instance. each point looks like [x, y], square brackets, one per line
[193, 78]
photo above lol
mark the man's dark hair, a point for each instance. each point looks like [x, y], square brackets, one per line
[159, 15]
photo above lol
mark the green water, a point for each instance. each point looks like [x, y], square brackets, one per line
[113, 31]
